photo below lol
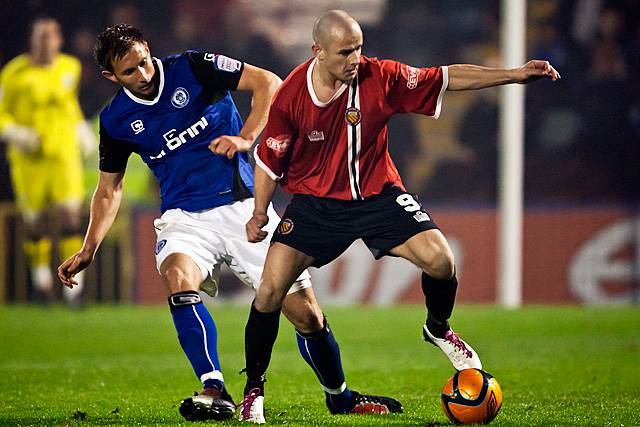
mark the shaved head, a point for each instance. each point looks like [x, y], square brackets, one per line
[337, 45]
[333, 24]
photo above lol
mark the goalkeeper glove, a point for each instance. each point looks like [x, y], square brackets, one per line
[87, 139]
[23, 138]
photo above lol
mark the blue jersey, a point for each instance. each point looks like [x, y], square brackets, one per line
[171, 133]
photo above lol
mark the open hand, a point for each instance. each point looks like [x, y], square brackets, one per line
[73, 266]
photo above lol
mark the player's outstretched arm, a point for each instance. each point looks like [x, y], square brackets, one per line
[467, 76]
[263, 84]
[264, 188]
[104, 207]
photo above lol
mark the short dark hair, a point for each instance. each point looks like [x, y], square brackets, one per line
[114, 43]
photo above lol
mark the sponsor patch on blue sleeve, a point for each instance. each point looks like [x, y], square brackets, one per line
[223, 63]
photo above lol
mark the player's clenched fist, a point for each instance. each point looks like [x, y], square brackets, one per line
[73, 266]
[255, 233]
[228, 145]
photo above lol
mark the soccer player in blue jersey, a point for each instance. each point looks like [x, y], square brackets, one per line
[178, 115]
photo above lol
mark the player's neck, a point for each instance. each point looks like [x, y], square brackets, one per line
[324, 83]
[155, 80]
[42, 59]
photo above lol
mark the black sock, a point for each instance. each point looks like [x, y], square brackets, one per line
[259, 336]
[440, 295]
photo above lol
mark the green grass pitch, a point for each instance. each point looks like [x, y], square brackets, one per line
[122, 365]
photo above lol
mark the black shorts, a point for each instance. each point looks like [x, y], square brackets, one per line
[324, 228]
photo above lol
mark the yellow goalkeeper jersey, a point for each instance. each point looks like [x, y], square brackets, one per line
[44, 98]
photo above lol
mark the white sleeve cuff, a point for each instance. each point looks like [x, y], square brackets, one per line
[264, 167]
[443, 89]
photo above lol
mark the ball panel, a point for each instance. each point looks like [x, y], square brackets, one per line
[469, 414]
[448, 387]
[470, 383]
[471, 396]
[494, 399]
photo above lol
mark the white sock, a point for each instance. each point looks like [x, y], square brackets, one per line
[42, 278]
[72, 295]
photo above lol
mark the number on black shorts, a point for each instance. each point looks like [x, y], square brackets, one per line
[408, 202]
[411, 205]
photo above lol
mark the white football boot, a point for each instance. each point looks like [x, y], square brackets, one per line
[461, 355]
[252, 407]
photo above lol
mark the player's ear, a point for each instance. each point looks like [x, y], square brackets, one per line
[318, 52]
[109, 76]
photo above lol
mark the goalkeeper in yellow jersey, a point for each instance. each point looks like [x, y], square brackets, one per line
[44, 129]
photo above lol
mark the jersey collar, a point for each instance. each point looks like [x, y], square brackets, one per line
[312, 92]
[154, 100]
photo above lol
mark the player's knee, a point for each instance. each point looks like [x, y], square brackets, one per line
[268, 298]
[308, 320]
[272, 295]
[176, 279]
[441, 264]
[313, 321]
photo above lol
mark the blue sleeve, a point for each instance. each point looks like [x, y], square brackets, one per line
[113, 153]
[215, 72]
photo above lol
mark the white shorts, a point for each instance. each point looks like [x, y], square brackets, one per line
[217, 236]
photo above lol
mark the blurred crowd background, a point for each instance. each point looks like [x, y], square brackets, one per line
[582, 135]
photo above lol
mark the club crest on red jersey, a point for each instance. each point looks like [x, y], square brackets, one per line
[285, 227]
[353, 116]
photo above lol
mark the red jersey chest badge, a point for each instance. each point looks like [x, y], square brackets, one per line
[353, 116]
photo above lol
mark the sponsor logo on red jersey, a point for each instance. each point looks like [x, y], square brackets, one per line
[316, 135]
[353, 116]
[279, 144]
[412, 75]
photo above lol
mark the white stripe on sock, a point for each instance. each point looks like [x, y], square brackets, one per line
[336, 391]
[204, 335]
[306, 346]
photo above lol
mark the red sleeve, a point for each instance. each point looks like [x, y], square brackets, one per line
[414, 90]
[274, 151]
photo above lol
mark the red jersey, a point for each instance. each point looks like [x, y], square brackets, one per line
[339, 149]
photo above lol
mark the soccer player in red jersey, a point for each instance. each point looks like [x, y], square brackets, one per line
[326, 143]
